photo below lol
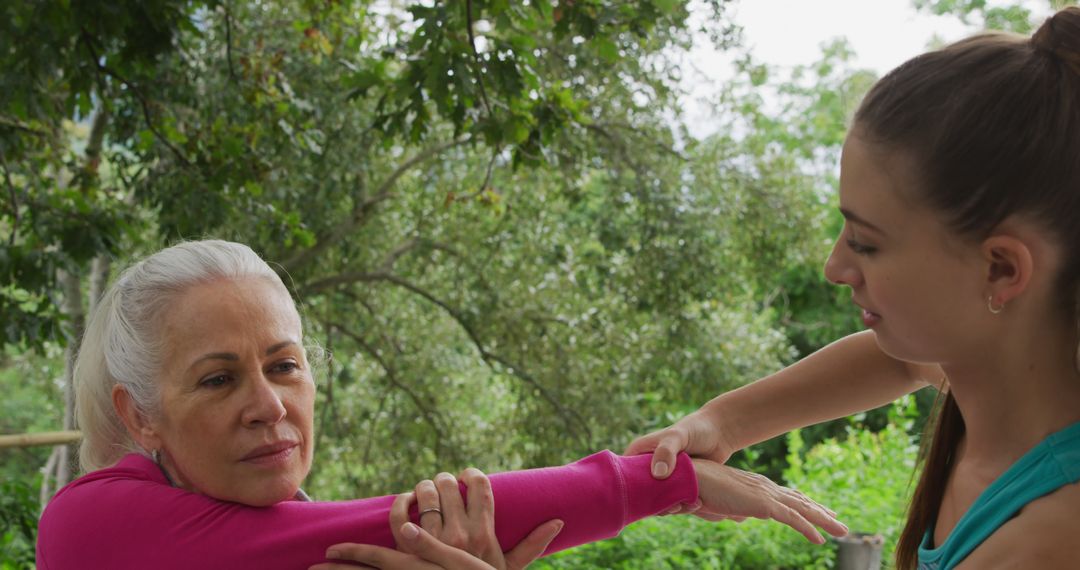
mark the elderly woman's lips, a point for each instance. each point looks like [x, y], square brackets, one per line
[271, 454]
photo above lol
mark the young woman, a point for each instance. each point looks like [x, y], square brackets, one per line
[960, 187]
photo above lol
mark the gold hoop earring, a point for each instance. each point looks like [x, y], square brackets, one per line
[990, 306]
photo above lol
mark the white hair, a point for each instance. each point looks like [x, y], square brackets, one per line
[122, 342]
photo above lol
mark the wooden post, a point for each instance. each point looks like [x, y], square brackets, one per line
[41, 438]
[859, 551]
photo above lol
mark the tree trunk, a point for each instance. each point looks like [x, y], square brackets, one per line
[99, 277]
[58, 468]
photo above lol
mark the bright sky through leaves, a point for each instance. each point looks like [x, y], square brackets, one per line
[786, 33]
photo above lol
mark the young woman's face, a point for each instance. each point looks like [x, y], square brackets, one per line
[237, 394]
[919, 287]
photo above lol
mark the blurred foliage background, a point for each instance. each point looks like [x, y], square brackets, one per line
[503, 237]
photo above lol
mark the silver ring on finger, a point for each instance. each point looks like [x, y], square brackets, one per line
[431, 510]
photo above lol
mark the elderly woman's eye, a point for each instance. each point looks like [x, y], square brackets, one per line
[215, 381]
[285, 367]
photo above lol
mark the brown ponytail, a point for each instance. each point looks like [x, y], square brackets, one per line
[992, 123]
[1059, 37]
[939, 443]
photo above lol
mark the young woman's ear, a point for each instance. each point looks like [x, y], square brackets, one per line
[139, 428]
[1009, 268]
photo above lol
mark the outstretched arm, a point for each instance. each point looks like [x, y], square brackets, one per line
[848, 376]
[127, 517]
[466, 527]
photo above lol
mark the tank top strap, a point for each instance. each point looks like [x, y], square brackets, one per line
[1050, 465]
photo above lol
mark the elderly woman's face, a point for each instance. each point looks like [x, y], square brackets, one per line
[237, 394]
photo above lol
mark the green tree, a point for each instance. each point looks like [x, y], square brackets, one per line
[487, 210]
[386, 159]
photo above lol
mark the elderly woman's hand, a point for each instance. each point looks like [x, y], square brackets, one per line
[453, 534]
[729, 493]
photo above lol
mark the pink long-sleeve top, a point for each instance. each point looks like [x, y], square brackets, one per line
[128, 516]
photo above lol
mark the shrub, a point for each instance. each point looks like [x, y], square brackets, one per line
[671, 543]
[865, 477]
[18, 525]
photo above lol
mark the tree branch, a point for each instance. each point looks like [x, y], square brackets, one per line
[488, 357]
[408, 245]
[88, 175]
[21, 126]
[395, 254]
[47, 473]
[370, 440]
[228, 42]
[364, 207]
[604, 129]
[390, 341]
[99, 276]
[476, 57]
[143, 101]
[13, 195]
[341, 279]
[330, 408]
[487, 176]
[483, 97]
[430, 417]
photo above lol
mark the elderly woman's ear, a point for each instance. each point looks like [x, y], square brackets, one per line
[137, 424]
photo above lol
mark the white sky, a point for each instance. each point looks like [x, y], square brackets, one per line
[882, 33]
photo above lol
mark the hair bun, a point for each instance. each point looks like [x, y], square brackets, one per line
[1059, 36]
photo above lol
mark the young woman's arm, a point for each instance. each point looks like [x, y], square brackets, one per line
[468, 525]
[848, 376]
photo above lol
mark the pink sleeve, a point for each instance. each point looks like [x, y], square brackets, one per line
[127, 523]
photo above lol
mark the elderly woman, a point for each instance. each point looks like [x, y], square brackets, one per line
[196, 399]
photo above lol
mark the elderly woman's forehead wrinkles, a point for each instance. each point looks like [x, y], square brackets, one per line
[234, 357]
[280, 346]
[230, 356]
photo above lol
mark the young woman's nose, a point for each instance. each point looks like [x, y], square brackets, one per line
[840, 269]
[265, 403]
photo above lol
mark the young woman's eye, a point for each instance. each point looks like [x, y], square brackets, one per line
[215, 381]
[860, 248]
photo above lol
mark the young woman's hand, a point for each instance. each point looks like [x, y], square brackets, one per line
[697, 434]
[453, 534]
[729, 493]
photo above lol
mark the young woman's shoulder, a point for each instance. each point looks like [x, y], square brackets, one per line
[1046, 534]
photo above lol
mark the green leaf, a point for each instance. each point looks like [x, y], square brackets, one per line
[253, 188]
[667, 6]
[606, 48]
[516, 131]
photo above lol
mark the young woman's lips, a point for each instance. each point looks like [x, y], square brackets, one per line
[870, 319]
[271, 455]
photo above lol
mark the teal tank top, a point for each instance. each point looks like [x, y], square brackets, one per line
[1050, 465]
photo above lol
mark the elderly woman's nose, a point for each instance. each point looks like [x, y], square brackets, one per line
[265, 403]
